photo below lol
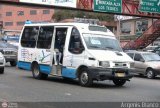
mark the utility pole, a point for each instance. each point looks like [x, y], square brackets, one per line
[118, 19]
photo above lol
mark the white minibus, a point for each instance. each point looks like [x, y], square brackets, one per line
[73, 51]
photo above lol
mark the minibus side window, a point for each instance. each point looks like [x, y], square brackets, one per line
[29, 37]
[75, 44]
[45, 37]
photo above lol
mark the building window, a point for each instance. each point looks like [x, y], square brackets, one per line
[20, 23]
[125, 28]
[46, 11]
[8, 23]
[8, 13]
[33, 12]
[20, 13]
[141, 26]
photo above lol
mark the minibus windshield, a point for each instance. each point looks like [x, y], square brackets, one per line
[101, 42]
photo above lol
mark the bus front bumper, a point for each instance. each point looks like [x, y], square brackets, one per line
[111, 73]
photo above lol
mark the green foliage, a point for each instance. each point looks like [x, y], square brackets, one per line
[70, 14]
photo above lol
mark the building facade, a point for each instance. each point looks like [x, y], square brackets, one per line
[14, 17]
[130, 29]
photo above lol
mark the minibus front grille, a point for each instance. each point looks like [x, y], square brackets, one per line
[8, 52]
[120, 64]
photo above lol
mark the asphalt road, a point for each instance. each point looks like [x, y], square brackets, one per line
[17, 85]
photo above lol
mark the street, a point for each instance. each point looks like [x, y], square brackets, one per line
[18, 85]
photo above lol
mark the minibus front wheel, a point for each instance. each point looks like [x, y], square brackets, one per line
[119, 82]
[36, 72]
[85, 78]
[13, 63]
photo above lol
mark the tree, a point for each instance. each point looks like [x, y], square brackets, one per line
[70, 14]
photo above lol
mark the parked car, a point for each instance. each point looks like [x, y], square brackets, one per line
[157, 50]
[146, 63]
[14, 40]
[150, 48]
[9, 52]
[2, 63]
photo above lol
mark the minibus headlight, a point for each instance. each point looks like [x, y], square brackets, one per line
[132, 65]
[104, 64]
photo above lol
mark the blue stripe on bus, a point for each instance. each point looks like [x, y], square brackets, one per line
[66, 72]
[45, 69]
[69, 73]
[24, 65]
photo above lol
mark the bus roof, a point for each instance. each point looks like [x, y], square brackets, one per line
[83, 27]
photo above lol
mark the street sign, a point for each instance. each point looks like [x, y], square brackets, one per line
[152, 6]
[63, 3]
[113, 6]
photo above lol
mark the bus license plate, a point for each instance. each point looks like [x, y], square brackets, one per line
[120, 74]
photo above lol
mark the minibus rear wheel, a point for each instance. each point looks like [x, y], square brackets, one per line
[36, 72]
[119, 82]
[85, 78]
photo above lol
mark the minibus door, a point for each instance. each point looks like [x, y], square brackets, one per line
[59, 42]
[74, 55]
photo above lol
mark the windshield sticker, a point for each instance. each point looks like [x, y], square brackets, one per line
[97, 42]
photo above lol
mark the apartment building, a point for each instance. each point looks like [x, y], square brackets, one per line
[14, 17]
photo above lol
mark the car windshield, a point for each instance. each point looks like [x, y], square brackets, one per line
[13, 38]
[151, 57]
[157, 48]
[101, 42]
[6, 45]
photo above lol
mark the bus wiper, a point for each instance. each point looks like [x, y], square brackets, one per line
[153, 60]
[109, 48]
[94, 47]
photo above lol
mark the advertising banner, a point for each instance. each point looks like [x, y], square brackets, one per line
[63, 3]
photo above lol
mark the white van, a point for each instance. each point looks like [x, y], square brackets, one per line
[73, 50]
